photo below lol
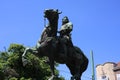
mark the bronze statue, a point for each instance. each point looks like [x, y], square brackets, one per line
[50, 45]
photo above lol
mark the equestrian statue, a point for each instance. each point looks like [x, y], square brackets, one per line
[59, 48]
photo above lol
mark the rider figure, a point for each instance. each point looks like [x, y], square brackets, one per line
[65, 35]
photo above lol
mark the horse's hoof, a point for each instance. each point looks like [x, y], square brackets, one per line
[51, 78]
[25, 61]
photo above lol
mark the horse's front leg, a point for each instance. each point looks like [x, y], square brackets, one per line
[24, 60]
[51, 63]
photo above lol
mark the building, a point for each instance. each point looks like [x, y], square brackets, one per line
[117, 71]
[108, 71]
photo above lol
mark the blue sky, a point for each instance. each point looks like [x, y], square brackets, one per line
[96, 26]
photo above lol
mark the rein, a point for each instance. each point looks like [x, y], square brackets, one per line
[44, 22]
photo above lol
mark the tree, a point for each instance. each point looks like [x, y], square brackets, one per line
[11, 66]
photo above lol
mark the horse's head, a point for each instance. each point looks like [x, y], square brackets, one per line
[52, 14]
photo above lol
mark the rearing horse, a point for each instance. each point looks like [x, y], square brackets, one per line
[77, 62]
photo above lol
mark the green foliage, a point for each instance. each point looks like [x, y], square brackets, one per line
[11, 66]
[22, 78]
[2, 77]
[16, 49]
[4, 56]
[13, 78]
[25, 79]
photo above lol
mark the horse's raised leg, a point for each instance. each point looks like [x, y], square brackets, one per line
[24, 60]
[27, 49]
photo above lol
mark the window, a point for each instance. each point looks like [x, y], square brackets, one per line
[118, 76]
[103, 78]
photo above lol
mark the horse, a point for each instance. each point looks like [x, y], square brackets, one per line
[76, 61]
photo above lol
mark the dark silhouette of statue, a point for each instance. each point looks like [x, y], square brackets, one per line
[59, 48]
